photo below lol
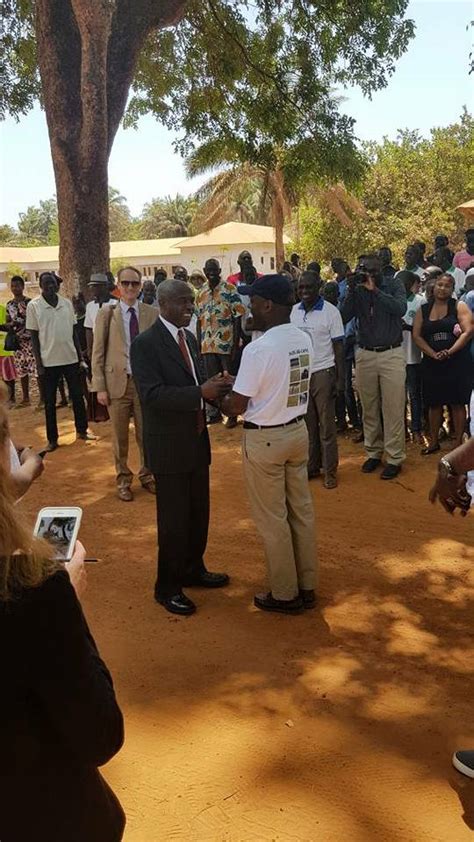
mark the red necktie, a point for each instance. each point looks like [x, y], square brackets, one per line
[183, 347]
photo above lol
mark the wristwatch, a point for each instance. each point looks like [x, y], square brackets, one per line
[445, 469]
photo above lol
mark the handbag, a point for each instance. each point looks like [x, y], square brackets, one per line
[12, 343]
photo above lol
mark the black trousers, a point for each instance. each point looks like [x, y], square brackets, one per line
[182, 503]
[51, 377]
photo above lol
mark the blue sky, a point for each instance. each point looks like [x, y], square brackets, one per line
[429, 88]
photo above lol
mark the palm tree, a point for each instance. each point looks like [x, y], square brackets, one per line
[168, 217]
[116, 198]
[259, 192]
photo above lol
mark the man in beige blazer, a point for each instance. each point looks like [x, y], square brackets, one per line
[115, 328]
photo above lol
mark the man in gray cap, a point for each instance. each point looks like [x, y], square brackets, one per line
[100, 289]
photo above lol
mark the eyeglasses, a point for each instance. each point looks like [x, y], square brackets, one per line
[134, 284]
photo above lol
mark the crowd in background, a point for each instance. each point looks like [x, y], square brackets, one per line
[415, 384]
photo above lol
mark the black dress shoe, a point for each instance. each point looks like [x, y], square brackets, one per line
[370, 465]
[267, 602]
[390, 471]
[177, 604]
[208, 580]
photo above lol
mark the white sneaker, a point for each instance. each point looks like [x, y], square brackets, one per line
[463, 761]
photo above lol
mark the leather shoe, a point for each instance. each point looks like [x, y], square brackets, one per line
[330, 481]
[267, 602]
[370, 465]
[208, 580]
[125, 493]
[52, 445]
[390, 471]
[178, 604]
[149, 486]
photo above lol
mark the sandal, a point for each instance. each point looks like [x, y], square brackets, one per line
[433, 448]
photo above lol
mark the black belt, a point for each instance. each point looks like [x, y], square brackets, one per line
[379, 348]
[249, 426]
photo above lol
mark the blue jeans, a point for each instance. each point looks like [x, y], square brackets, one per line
[415, 396]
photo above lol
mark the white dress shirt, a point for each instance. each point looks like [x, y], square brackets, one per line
[174, 333]
[126, 324]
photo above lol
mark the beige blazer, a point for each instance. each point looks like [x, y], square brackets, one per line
[109, 351]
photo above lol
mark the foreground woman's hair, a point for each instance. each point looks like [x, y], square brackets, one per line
[25, 561]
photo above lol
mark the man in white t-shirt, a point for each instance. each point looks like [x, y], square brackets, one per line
[322, 321]
[271, 391]
[99, 286]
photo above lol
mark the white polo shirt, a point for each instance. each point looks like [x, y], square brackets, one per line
[92, 308]
[323, 323]
[55, 326]
[412, 352]
[274, 373]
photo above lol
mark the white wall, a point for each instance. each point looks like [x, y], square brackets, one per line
[195, 257]
[191, 258]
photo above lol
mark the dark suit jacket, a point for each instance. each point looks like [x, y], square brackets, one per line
[170, 400]
[59, 720]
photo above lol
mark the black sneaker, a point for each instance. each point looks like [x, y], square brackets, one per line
[463, 761]
[266, 602]
[390, 471]
[370, 465]
[309, 599]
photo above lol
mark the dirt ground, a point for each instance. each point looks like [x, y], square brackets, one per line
[335, 725]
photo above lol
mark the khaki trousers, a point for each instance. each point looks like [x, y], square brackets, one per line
[381, 382]
[275, 469]
[321, 422]
[120, 411]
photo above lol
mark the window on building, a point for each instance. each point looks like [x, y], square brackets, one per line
[262, 260]
[272, 263]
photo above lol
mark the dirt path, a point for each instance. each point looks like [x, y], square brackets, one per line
[337, 725]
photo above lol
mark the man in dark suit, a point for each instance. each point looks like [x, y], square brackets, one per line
[172, 389]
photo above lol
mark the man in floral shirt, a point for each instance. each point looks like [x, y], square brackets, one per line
[219, 310]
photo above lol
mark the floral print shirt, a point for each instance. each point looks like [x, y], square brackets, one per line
[216, 310]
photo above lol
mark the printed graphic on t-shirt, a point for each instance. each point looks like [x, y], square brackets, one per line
[299, 378]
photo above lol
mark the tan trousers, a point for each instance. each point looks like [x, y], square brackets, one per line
[381, 383]
[120, 411]
[275, 469]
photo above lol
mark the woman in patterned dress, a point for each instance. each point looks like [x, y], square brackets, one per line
[16, 320]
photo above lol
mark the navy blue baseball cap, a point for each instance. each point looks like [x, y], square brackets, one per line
[276, 288]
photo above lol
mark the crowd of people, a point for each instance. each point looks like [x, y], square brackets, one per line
[382, 352]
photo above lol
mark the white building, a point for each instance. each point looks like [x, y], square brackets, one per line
[224, 243]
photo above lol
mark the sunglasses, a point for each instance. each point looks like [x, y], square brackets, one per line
[134, 284]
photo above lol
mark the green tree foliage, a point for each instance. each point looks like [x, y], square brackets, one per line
[259, 74]
[7, 235]
[409, 192]
[37, 221]
[168, 217]
[120, 219]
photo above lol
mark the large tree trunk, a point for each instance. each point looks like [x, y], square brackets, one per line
[87, 53]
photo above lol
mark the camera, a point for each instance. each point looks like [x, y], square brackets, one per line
[359, 276]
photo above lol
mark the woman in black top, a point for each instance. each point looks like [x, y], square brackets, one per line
[59, 719]
[443, 329]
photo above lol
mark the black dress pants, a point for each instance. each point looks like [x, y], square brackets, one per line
[182, 502]
[51, 377]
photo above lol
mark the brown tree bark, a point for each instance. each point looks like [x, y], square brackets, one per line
[87, 52]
